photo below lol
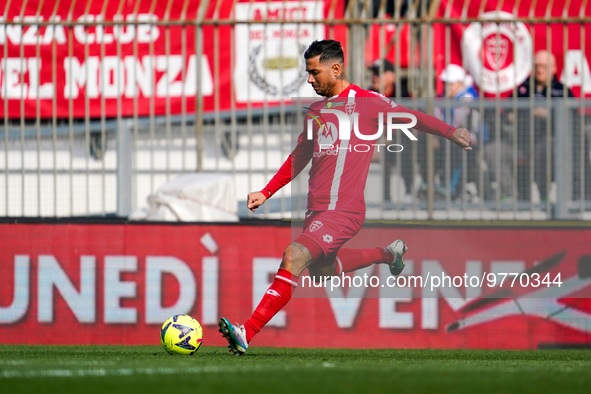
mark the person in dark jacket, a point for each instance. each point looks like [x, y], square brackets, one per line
[544, 71]
[383, 80]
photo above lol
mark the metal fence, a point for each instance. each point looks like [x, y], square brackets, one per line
[92, 143]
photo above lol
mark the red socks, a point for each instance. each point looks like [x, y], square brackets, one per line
[353, 259]
[279, 294]
[274, 299]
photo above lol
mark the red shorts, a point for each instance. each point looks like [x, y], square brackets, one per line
[330, 229]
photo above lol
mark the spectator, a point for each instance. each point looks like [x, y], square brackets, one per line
[499, 155]
[458, 85]
[386, 84]
[544, 72]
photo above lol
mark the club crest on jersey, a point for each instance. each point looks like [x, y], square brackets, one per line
[316, 224]
[350, 108]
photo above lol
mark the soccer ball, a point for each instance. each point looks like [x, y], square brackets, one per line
[181, 334]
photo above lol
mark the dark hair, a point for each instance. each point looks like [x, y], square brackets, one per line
[381, 63]
[327, 49]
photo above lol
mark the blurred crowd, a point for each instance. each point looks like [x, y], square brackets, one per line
[513, 156]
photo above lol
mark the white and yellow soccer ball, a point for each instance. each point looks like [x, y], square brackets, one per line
[181, 334]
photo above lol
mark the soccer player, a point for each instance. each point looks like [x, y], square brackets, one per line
[336, 205]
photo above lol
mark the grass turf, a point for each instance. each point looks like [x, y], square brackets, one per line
[148, 369]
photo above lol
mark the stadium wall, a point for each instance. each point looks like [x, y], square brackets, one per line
[75, 283]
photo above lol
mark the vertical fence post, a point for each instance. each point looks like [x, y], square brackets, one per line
[124, 167]
[428, 88]
[357, 46]
[562, 160]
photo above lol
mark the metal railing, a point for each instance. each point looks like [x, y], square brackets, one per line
[103, 103]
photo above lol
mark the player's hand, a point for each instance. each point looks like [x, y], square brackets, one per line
[461, 137]
[255, 200]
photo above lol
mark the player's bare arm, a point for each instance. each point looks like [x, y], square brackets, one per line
[461, 137]
[255, 200]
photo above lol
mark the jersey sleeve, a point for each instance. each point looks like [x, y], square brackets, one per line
[295, 163]
[429, 124]
[425, 123]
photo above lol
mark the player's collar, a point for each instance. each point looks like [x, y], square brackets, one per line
[345, 93]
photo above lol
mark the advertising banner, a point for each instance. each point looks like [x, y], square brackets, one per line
[89, 65]
[61, 59]
[117, 284]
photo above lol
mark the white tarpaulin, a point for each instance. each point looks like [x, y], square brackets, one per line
[192, 198]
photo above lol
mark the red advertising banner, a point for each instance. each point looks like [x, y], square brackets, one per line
[117, 283]
[88, 65]
[499, 56]
[57, 59]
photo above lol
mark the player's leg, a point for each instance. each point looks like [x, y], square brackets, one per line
[321, 270]
[333, 230]
[348, 260]
[324, 235]
[295, 260]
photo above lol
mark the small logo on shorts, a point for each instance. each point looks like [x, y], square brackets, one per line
[327, 238]
[316, 224]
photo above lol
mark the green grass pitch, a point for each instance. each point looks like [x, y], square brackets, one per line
[148, 369]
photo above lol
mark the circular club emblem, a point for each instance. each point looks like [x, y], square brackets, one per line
[498, 56]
